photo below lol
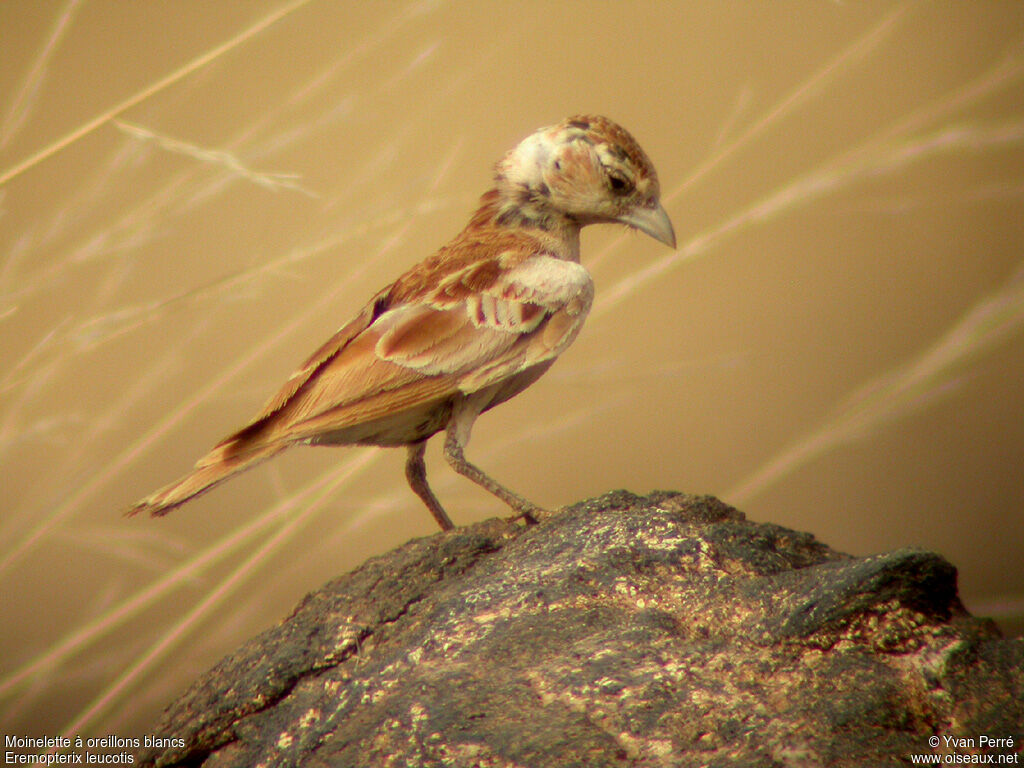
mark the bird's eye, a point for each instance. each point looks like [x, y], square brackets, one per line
[620, 184]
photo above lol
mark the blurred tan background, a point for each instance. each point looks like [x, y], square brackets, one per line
[196, 194]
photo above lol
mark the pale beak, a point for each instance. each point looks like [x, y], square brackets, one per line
[652, 221]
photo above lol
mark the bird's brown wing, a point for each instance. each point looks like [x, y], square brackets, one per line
[449, 340]
[324, 355]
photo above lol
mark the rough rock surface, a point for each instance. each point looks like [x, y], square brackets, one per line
[663, 630]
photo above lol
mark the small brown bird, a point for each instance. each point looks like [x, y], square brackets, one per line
[466, 329]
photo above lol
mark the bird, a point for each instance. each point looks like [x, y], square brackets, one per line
[465, 329]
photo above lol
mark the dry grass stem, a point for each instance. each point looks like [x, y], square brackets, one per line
[195, 64]
[904, 389]
[21, 105]
[216, 157]
[832, 175]
[803, 91]
[308, 502]
[49, 661]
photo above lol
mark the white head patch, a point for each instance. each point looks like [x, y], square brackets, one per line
[526, 163]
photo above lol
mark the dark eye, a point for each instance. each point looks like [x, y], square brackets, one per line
[620, 184]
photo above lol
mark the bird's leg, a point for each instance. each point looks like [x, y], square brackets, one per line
[455, 440]
[416, 474]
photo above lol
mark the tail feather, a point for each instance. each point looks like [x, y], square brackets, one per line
[214, 468]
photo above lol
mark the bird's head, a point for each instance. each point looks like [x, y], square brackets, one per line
[588, 170]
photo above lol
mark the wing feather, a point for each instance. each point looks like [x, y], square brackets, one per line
[427, 349]
[323, 355]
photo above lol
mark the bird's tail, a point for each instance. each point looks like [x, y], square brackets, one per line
[224, 461]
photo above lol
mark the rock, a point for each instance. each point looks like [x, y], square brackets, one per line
[664, 630]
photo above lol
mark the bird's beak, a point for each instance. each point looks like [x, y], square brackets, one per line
[652, 221]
